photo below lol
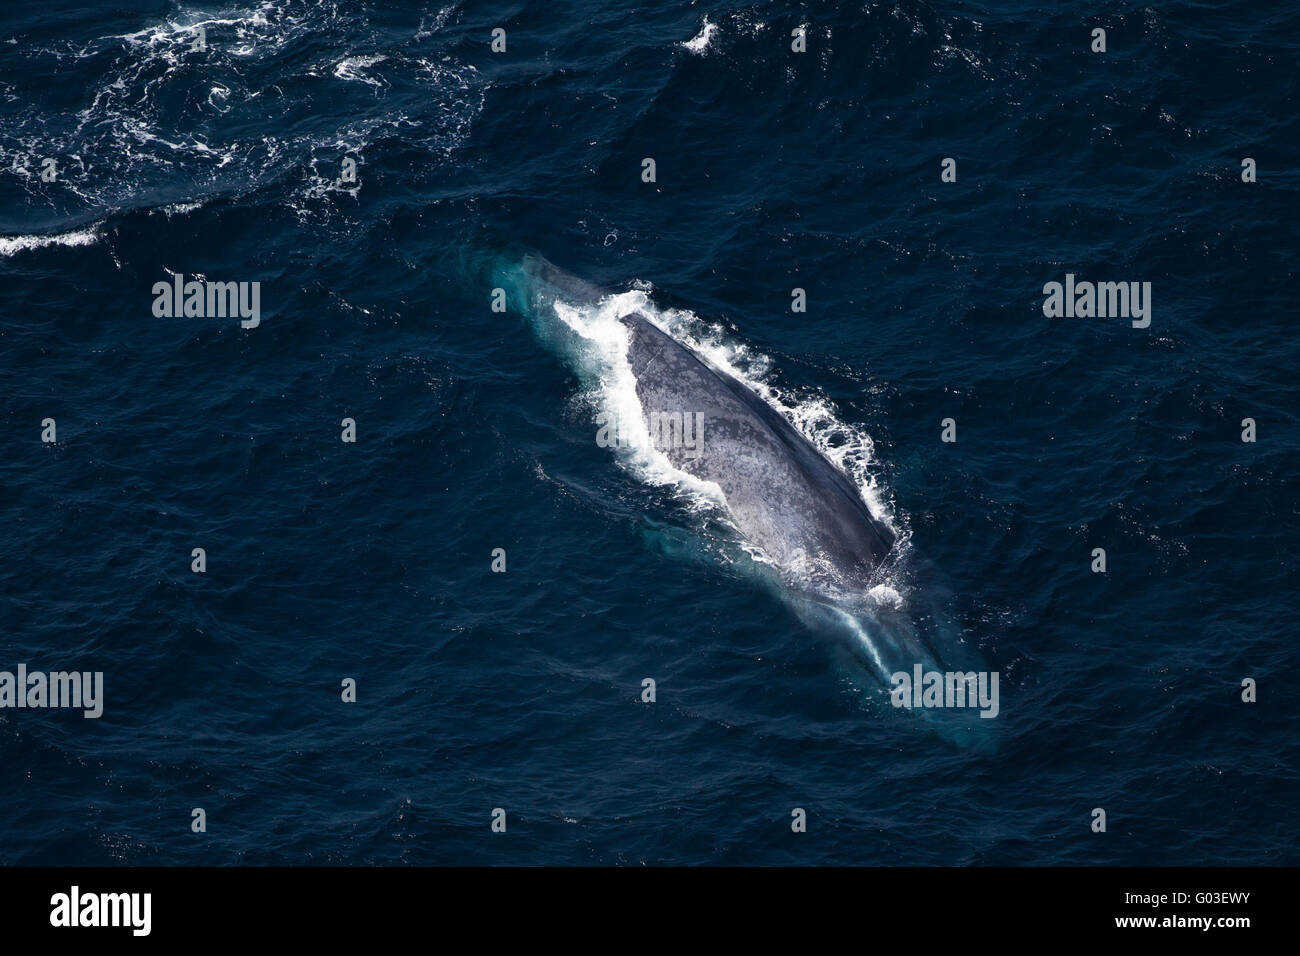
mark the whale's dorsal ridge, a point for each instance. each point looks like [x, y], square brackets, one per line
[784, 494]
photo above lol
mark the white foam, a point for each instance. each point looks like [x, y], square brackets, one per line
[612, 392]
[179, 208]
[353, 69]
[126, 132]
[882, 595]
[9, 245]
[439, 21]
[268, 26]
[699, 45]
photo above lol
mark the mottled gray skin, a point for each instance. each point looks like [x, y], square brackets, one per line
[783, 494]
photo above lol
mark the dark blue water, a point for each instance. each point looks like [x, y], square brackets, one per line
[372, 560]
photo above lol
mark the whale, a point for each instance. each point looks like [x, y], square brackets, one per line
[822, 549]
[784, 496]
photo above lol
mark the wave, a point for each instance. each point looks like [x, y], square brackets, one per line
[11, 245]
[353, 68]
[169, 119]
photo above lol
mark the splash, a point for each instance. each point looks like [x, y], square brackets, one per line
[699, 45]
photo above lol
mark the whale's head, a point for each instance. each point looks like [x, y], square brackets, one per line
[534, 284]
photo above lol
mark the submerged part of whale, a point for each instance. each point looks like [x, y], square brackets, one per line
[783, 494]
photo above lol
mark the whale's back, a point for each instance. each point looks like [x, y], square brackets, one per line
[783, 494]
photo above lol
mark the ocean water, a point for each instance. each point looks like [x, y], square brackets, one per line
[521, 690]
